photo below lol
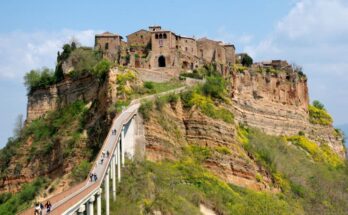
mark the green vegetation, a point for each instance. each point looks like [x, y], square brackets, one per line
[83, 60]
[13, 203]
[154, 87]
[205, 96]
[318, 187]
[246, 60]
[61, 128]
[239, 68]
[80, 172]
[145, 109]
[39, 79]
[321, 153]
[180, 187]
[318, 114]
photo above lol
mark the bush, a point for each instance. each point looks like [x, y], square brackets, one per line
[80, 172]
[215, 87]
[39, 79]
[83, 60]
[318, 105]
[319, 116]
[145, 109]
[101, 69]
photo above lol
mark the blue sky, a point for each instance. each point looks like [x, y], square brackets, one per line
[311, 33]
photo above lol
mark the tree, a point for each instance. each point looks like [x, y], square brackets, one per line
[318, 105]
[247, 60]
[215, 87]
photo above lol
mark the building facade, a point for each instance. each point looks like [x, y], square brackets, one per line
[161, 49]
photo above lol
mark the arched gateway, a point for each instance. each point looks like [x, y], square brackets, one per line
[161, 61]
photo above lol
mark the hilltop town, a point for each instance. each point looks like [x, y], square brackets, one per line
[208, 127]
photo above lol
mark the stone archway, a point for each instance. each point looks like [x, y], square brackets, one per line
[161, 61]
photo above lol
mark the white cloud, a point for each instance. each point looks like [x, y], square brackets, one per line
[314, 34]
[22, 51]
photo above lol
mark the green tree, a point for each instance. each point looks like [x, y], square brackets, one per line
[247, 60]
[318, 105]
[101, 69]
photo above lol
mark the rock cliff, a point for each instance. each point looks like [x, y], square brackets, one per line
[278, 105]
[170, 130]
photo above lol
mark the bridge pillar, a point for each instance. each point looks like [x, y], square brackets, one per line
[99, 202]
[107, 191]
[113, 175]
[119, 160]
[123, 144]
[90, 209]
[81, 210]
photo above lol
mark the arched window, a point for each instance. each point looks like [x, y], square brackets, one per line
[106, 46]
[156, 36]
[161, 61]
[164, 36]
[160, 36]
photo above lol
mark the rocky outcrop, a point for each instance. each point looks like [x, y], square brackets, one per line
[169, 131]
[278, 105]
[69, 90]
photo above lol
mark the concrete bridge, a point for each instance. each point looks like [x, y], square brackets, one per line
[86, 197]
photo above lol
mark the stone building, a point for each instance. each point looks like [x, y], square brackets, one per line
[166, 51]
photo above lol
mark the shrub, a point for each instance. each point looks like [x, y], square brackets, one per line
[160, 102]
[323, 153]
[145, 109]
[80, 172]
[39, 79]
[83, 60]
[101, 69]
[318, 105]
[319, 116]
[215, 87]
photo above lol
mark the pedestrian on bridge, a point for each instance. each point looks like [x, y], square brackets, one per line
[107, 153]
[95, 177]
[48, 206]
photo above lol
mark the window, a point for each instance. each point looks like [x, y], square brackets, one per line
[160, 36]
[164, 36]
[156, 36]
[141, 36]
[106, 46]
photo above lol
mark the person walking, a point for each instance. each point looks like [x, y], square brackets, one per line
[107, 153]
[37, 209]
[48, 206]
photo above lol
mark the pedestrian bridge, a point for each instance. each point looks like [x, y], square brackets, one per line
[86, 197]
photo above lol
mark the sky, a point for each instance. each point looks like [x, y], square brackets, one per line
[311, 33]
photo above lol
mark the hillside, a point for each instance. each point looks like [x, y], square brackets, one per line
[245, 142]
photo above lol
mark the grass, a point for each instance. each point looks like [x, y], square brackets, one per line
[13, 203]
[321, 153]
[317, 187]
[180, 187]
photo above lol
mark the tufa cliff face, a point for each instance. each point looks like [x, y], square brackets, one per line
[278, 105]
[169, 131]
[69, 90]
